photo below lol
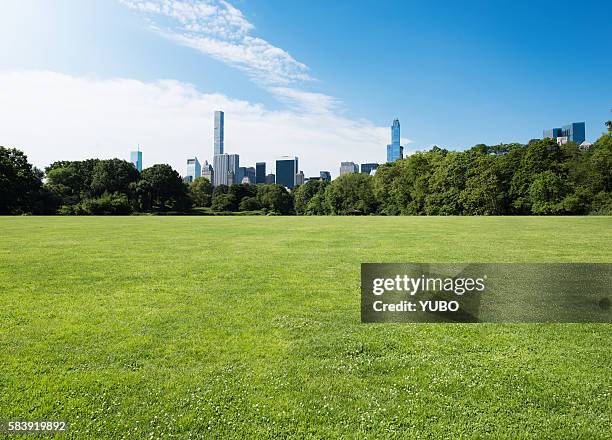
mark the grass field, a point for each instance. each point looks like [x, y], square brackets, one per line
[152, 327]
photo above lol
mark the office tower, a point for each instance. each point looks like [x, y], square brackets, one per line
[207, 171]
[348, 167]
[232, 168]
[136, 159]
[286, 169]
[270, 179]
[251, 174]
[241, 174]
[219, 132]
[260, 173]
[367, 168]
[194, 170]
[248, 172]
[325, 175]
[394, 150]
[574, 132]
[299, 178]
[226, 169]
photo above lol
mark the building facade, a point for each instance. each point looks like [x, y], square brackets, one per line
[348, 167]
[367, 168]
[246, 173]
[270, 179]
[219, 132]
[207, 171]
[299, 178]
[136, 159]
[260, 172]
[286, 170]
[325, 175]
[225, 169]
[574, 132]
[394, 150]
[194, 170]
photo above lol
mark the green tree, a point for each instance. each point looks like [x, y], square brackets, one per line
[304, 195]
[224, 203]
[71, 180]
[20, 182]
[249, 204]
[483, 193]
[166, 190]
[200, 192]
[351, 194]
[546, 193]
[275, 199]
[107, 204]
[113, 176]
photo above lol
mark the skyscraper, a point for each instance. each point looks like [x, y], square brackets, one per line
[226, 169]
[270, 179]
[248, 172]
[260, 172]
[325, 175]
[299, 178]
[367, 168]
[348, 167]
[394, 150]
[286, 169]
[207, 171]
[219, 127]
[194, 169]
[136, 159]
[574, 132]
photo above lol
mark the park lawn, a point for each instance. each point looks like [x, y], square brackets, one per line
[233, 327]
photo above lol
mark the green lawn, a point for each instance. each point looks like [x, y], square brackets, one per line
[249, 327]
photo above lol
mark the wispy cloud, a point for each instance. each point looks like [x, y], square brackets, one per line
[220, 30]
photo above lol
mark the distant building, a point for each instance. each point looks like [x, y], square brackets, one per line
[299, 178]
[348, 167]
[207, 171]
[367, 168]
[226, 169]
[136, 159]
[310, 179]
[585, 146]
[286, 170]
[219, 132]
[194, 170]
[260, 172]
[394, 150]
[325, 175]
[270, 179]
[574, 132]
[246, 172]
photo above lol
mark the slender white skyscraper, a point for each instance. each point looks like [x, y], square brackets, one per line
[219, 122]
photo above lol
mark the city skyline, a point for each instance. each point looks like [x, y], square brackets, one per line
[457, 76]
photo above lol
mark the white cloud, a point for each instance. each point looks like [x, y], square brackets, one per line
[218, 29]
[53, 116]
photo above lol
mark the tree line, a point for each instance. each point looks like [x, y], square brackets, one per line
[540, 178]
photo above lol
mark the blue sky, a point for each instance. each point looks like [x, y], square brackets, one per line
[333, 74]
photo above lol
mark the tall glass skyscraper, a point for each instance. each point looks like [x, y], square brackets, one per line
[136, 159]
[219, 123]
[394, 150]
[260, 172]
[286, 170]
[194, 169]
